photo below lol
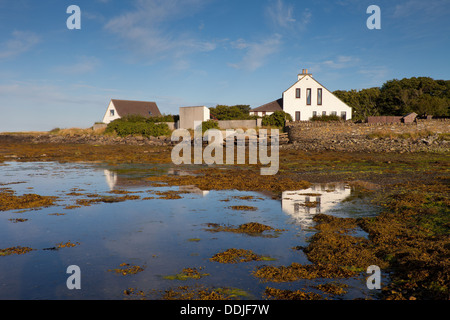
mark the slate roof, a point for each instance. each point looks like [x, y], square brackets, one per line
[273, 106]
[143, 108]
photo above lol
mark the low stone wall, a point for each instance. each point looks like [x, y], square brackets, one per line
[83, 139]
[421, 135]
[239, 124]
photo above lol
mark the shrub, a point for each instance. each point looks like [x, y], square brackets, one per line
[210, 124]
[163, 118]
[276, 119]
[326, 118]
[137, 125]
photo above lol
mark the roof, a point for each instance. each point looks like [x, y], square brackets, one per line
[273, 106]
[142, 108]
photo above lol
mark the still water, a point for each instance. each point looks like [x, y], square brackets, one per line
[161, 235]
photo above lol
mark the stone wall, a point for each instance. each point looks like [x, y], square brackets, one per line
[239, 124]
[421, 135]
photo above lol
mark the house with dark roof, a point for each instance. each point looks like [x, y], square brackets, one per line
[305, 99]
[268, 108]
[120, 108]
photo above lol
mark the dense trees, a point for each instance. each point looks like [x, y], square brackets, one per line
[422, 95]
[237, 112]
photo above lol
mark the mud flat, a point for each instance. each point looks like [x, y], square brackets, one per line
[408, 237]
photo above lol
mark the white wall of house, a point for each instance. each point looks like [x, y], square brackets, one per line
[111, 113]
[300, 110]
[259, 113]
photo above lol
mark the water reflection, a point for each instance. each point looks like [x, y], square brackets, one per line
[302, 205]
[114, 180]
[111, 178]
[154, 232]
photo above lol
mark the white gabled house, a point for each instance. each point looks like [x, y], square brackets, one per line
[306, 98]
[120, 108]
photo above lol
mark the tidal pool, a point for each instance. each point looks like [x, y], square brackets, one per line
[162, 235]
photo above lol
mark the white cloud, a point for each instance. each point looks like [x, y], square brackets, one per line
[20, 42]
[256, 53]
[427, 9]
[42, 105]
[82, 66]
[340, 62]
[283, 15]
[147, 29]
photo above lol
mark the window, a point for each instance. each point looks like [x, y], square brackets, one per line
[298, 93]
[263, 113]
[333, 113]
[111, 113]
[297, 115]
[343, 115]
[308, 96]
[150, 113]
[314, 113]
[324, 113]
[319, 96]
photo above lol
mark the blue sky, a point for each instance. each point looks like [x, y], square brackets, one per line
[202, 52]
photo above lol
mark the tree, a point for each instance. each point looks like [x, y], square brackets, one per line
[237, 112]
[276, 119]
[422, 95]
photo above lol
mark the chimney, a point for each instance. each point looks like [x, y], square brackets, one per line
[304, 73]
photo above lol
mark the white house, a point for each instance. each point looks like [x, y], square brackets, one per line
[121, 108]
[307, 98]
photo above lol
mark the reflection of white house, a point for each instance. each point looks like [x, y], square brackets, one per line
[111, 178]
[302, 205]
[113, 181]
[304, 99]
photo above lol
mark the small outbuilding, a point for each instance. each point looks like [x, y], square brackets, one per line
[190, 115]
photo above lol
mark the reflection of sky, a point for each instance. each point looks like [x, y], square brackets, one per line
[301, 205]
[150, 232]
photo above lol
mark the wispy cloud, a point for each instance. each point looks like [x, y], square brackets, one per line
[20, 42]
[256, 53]
[282, 15]
[426, 9]
[339, 62]
[147, 29]
[83, 65]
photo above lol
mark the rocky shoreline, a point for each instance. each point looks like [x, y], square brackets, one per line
[433, 143]
[376, 145]
[83, 139]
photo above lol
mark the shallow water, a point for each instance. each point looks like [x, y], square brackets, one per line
[157, 234]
